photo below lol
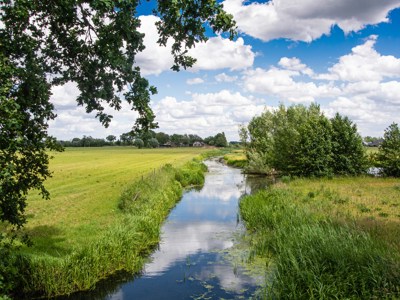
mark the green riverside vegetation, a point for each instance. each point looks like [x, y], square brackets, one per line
[327, 238]
[90, 229]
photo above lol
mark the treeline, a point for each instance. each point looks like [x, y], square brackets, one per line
[302, 141]
[150, 139]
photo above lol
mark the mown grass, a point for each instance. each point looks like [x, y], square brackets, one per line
[90, 230]
[319, 244]
[85, 190]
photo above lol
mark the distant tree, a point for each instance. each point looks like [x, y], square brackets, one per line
[162, 137]
[153, 143]
[243, 135]
[138, 143]
[180, 139]
[220, 140]
[348, 152]
[370, 139]
[126, 138]
[111, 138]
[76, 142]
[209, 140]
[194, 138]
[388, 155]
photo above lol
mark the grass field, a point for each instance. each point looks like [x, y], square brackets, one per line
[328, 238]
[371, 203]
[85, 190]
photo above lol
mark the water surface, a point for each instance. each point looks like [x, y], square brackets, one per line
[192, 260]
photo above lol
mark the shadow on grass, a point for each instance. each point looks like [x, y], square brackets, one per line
[46, 239]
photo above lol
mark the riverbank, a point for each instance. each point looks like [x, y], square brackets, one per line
[61, 263]
[328, 238]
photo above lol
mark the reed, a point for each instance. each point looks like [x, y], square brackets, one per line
[313, 256]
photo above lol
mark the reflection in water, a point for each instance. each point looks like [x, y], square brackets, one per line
[191, 261]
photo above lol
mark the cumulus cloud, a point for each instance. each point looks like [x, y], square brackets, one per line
[154, 59]
[219, 53]
[206, 114]
[222, 77]
[281, 83]
[363, 85]
[295, 64]
[216, 53]
[364, 63]
[306, 20]
[196, 80]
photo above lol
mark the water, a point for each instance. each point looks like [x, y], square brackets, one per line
[192, 261]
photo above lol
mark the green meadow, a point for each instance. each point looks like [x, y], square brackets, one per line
[336, 238]
[85, 189]
[106, 210]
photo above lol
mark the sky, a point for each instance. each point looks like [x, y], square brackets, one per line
[343, 55]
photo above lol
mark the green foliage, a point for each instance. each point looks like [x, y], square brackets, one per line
[314, 257]
[219, 140]
[347, 148]
[23, 138]
[8, 269]
[93, 43]
[301, 141]
[153, 143]
[388, 155]
[192, 174]
[138, 143]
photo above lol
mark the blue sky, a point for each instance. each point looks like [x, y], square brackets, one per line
[344, 55]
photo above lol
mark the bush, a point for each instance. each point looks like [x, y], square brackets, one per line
[388, 156]
[8, 267]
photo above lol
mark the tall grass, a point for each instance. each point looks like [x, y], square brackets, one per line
[123, 246]
[313, 257]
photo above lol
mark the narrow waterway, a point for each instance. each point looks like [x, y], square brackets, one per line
[192, 261]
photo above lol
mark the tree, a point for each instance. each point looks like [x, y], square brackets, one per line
[162, 137]
[301, 141]
[314, 149]
[389, 151]
[220, 140]
[243, 135]
[126, 138]
[111, 138]
[138, 143]
[349, 156]
[153, 143]
[93, 43]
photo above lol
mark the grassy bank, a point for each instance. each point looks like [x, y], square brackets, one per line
[89, 230]
[85, 190]
[236, 158]
[321, 244]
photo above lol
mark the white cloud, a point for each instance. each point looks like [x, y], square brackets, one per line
[219, 53]
[196, 80]
[222, 77]
[364, 63]
[295, 64]
[154, 59]
[280, 83]
[65, 95]
[216, 53]
[207, 114]
[306, 20]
